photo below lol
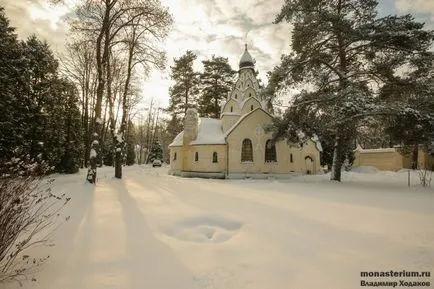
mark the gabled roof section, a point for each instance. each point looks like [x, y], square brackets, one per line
[210, 132]
[249, 98]
[232, 100]
[245, 117]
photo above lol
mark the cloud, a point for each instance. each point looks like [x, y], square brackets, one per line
[37, 17]
[419, 6]
[424, 10]
[219, 27]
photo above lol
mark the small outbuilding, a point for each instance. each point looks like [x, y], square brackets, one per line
[391, 159]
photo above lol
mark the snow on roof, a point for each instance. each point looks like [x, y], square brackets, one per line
[380, 150]
[177, 141]
[317, 142]
[231, 113]
[210, 132]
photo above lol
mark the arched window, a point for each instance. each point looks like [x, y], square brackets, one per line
[236, 96]
[196, 156]
[291, 159]
[250, 94]
[247, 151]
[174, 156]
[214, 157]
[309, 165]
[270, 151]
[232, 109]
[251, 107]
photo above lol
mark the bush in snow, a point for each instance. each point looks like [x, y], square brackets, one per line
[425, 176]
[29, 213]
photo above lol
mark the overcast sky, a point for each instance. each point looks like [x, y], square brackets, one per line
[207, 27]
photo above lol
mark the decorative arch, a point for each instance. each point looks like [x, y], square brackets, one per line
[247, 105]
[250, 92]
[236, 93]
[249, 83]
[310, 164]
[230, 106]
[247, 151]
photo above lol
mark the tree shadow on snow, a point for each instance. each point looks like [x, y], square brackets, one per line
[152, 263]
[65, 260]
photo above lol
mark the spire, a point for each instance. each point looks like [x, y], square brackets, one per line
[246, 59]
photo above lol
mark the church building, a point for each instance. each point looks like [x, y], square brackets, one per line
[238, 145]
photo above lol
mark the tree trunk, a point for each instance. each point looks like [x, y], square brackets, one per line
[120, 148]
[415, 157]
[101, 69]
[337, 151]
[337, 160]
[148, 132]
[118, 164]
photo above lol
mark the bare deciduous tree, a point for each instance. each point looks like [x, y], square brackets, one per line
[134, 28]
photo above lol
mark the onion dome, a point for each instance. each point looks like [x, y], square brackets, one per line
[246, 59]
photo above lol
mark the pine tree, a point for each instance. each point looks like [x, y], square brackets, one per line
[184, 92]
[411, 130]
[39, 117]
[170, 128]
[71, 158]
[216, 81]
[107, 153]
[156, 151]
[44, 96]
[13, 108]
[130, 142]
[345, 59]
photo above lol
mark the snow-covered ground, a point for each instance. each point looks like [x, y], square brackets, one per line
[156, 231]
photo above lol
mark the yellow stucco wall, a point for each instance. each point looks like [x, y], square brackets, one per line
[253, 128]
[186, 158]
[175, 164]
[228, 121]
[384, 161]
[425, 160]
[391, 160]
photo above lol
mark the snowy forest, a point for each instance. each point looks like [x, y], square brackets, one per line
[362, 79]
[76, 95]
[60, 110]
